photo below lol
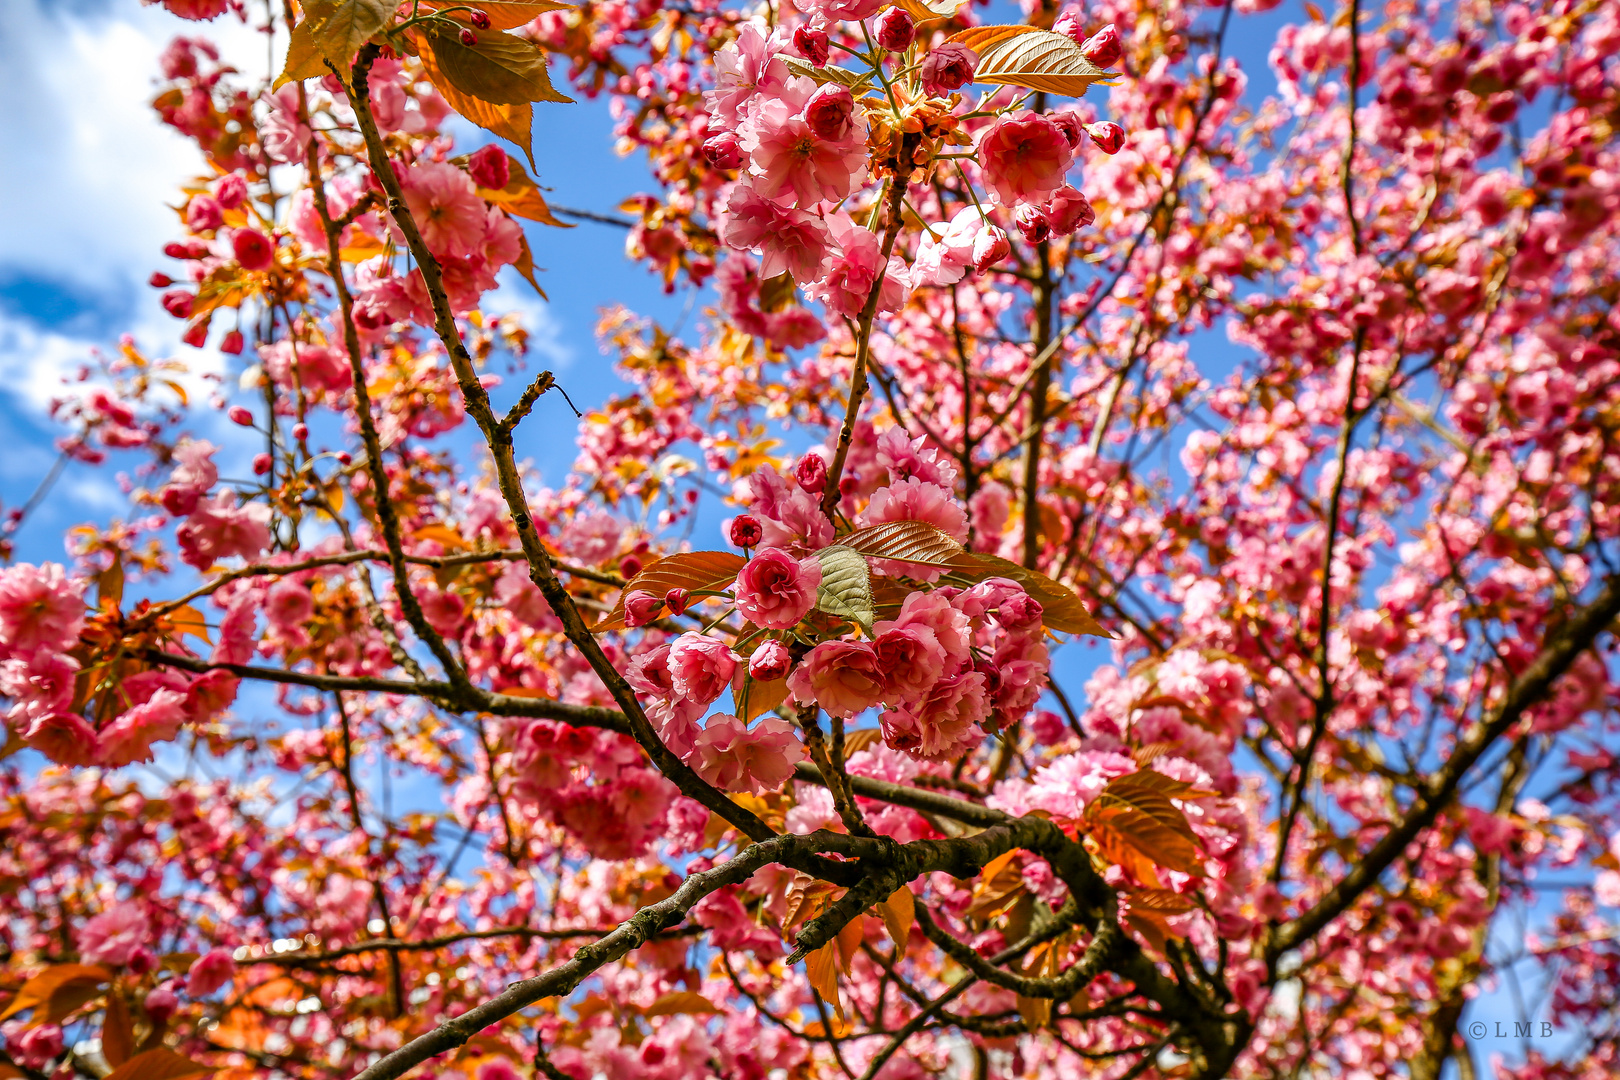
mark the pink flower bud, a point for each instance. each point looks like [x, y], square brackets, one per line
[261, 464]
[300, 432]
[848, 484]
[829, 111]
[196, 334]
[1071, 24]
[629, 567]
[770, 661]
[175, 250]
[231, 191]
[724, 151]
[35, 1046]
[1108, 136]
[746, 531]
[239, 414]
[812, 473]
[813, 43]
[896, 30]
[204, 214]
[254, 250]
[479, 19]
[678, 601]
[1068, 122]
[141, 961]
[990, 247]
[1104, 48]
[232, 345]
[1032, 224]
[641, 608]
[160, 280]
[490, 167]
[161, 1004]
[468, 38]
[343, 457]
[949, 67]
[1018, 611]
[177, 302]
[1068, 210]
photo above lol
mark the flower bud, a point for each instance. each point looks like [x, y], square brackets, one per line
[1018, 611]
[468, 38]
[990, 247]
[813, 42]
[641, 608]
[161, 1004]
[947, 68]
[196, 334]
[490, 167]
[300, 432]
[261, 464]
[1108, 136]
[770, 661]
[141, 961]
[991, 673]
[239, 414]
[231, 191]
[1071, 24]
[253, 249]
[35, 1046]
[160, 280]
[177, 302]
[896, 30]
[830, 111]
[204, 214]
[811, 473]
[746, 531]
[232, 345]
[678, 600]
[1104, 48]
[1068, 122]
[343, 457]
[724, 151]
[629, 567]
[1068, 210]
[1032, 224]
[478, 18]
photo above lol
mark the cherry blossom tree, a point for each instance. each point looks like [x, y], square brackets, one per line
[799, 793]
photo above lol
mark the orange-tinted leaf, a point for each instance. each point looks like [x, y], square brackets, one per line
[159, 1064]
[864, 739]
[342, 26]
[500, 69]
[521, 196]
[680, 1001]
[1146, 755]
[1061, 609]
[511, 122]
[905, 541]
[821, 967]
[442, 535]
[1136, 808]
[117, 1031]
[304, 59]
[1030, 57]
[505, 14]
[899, 913]
[188, 620]
[849, 943]
[708, 571]
[752, 698]
[525, 266]
[928, 10]
[57, 991]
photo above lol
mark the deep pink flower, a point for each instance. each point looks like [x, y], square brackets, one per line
[219, 528]
[253, 249]
[811, 473]
[770, 661]
[850, 278]
[209, 972]
[1067, 211]
[1032, 224]
[197, 10]
[113, 936]
[193, 477]
[843, 677]
[896, 29]
[813, 43]
[733, 758]
[745, 531]
[830, 112]
[40, 608]
[447, 208]
[1104, 48]
[990, 247]
[161, 1004]
[911, 660]
[843, 10]
[38, 684]
[231, 191]
[129, 737]
[204, 214]
[288, 605]
[949, 67]
[1108, 136]
[700, 668]
[723, 151]
[1024, 157]
[34, 1046]
[489, 167]
[944, 723]
[63, 737]
[790, 163]
[788, 241]
[775, 590]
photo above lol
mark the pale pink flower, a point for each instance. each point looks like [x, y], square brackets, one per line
[745, 67]
[989, 509]
[843, 10]
[1022, 663]
[63, 737]
[1064, 787]
[113, 936]
[775, 590]
[39, 684]
[790, 163]
[733, 758]
[906, 458]
[591, 537]
[787, 514]
[911, 660]
[700, 668]
[1024, 157]
[943, 724]
[40, 608]
[849, 281]
[917, 500]
[770, 661]
[219, 528]
[282, 134]
[788, 241]
[209, 972]
[288, 604]
[448, 211]
[1606, 888]
[945, 254]
[129, 737]
[522, 597]
[193, 477]
[843, 677]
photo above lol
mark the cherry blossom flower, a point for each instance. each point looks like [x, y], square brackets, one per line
[113, 936]
[733, 758]
[1024, 157]
[775, 590]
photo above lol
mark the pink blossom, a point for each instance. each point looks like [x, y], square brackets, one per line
[642, 607]
[209, 972]
[790, 163]
[204, 214]
[36, 1045]
[700, 668]
[770, 661]
[733, 758]
[990, 247]
[130, 736]
[113, 936]
[288, 604]
[775, 590]
[489, 167]
[787, 513]
[39, 684]
[942, 724]
[788, 241]
[911, 660]
[989, 510]
[830, 112]
[446, 206]
[843, 677]
[253, 249]
[906, 458]
[1024, 157]
[1068, 210]
[896, 29]
[63, 737]
[949, 67]
[849, 281]
[916, 500]
[219, 528]
[161, 1003]
[197, 10]
[932, 610]
[1108, 136]
[743, 69]
[945, 253]
[1104, 48]
[40, 608]
[193, 477]
[591, 537]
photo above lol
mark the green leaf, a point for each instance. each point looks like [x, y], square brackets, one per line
[846, 585]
